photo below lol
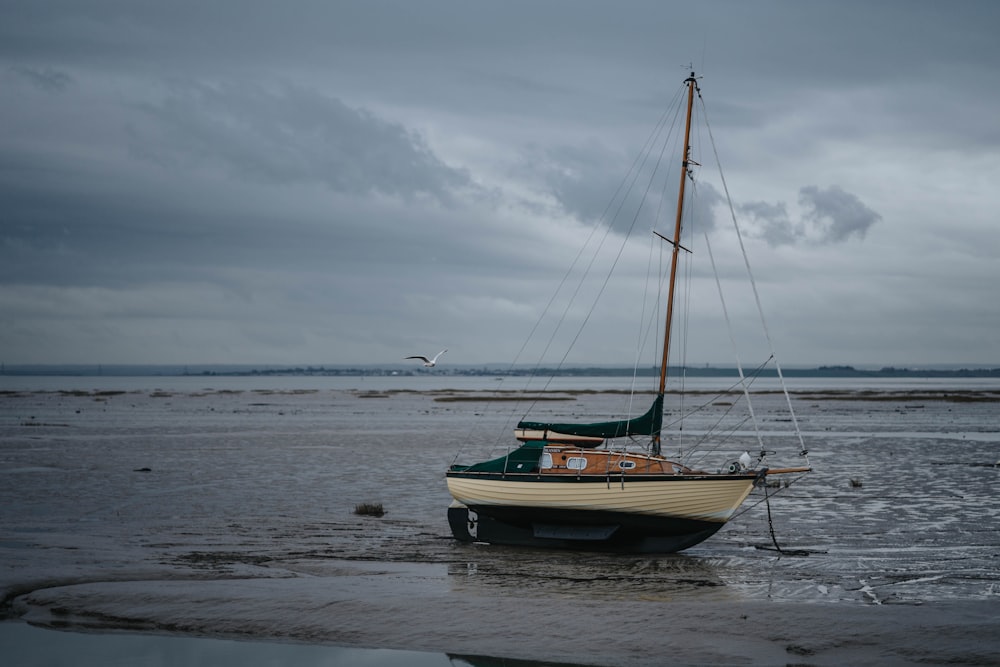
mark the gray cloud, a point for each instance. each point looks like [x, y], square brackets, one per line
[322, 182]
[290, 135]
[829, 215]
[47, 79]
[587, 182]
[580, 178]
[836, 215]
[770, 222]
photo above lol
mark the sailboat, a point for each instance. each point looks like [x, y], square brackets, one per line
[572, 486]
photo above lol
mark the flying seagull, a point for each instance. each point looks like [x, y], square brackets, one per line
[428, 362]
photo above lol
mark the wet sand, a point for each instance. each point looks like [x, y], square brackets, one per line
[230, 515]
[408, 610]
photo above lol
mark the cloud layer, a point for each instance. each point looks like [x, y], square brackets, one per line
[340, 183]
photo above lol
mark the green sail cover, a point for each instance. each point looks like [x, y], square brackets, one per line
[647, 424]
[523, 459]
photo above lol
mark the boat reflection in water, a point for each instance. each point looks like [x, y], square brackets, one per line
[598, 576]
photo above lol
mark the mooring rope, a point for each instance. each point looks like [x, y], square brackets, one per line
[774, 539]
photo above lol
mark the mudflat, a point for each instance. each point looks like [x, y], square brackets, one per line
[230, 514]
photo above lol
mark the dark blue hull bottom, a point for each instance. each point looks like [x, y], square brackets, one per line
[576, 530]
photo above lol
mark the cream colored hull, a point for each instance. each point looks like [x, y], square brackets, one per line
[712, 500]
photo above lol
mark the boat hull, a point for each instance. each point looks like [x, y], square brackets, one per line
[580, 532]
[661, 514]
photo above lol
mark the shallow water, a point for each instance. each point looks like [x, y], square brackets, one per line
[230, 512]
[27, 646]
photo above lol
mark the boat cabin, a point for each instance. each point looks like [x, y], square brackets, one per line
[557, 459]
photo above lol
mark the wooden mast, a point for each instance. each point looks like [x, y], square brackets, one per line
[692, 83]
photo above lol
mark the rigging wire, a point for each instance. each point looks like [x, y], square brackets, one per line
[620, 196]
[753, 283]
[722, 301]
[710, 432]
[634, 173]
[652, 327]
[736, 355]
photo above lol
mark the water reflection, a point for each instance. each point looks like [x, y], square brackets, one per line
[28, 646]
[493, 570]
[487, 661]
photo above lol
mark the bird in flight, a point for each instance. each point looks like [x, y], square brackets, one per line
[428, 362]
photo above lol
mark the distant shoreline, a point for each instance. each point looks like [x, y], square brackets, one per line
[81, 370]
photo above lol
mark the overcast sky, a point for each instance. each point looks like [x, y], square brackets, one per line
[322, 182]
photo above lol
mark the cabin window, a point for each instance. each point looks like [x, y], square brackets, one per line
[626, 465]
[545, 461]
[576, 463]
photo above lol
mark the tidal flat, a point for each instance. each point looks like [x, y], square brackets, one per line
[229, 513]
